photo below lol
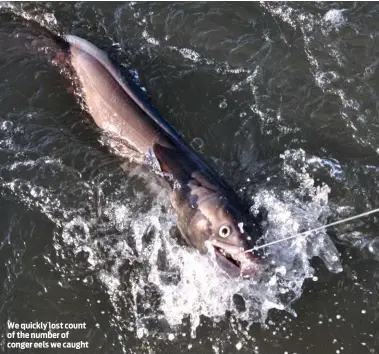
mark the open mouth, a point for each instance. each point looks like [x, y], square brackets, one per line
[220, 252]
[233, 259]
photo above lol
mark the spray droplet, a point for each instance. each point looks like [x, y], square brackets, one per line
[374, 246]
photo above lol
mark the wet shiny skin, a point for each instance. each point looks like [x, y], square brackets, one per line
[202, 199]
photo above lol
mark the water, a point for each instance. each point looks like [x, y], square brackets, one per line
[279, 98]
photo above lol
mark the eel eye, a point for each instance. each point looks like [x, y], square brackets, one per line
[224, 231]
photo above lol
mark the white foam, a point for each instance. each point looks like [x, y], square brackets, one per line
[150, 39]
[335, 17]
[189, 54]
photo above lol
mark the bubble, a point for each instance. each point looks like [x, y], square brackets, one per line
[324, 79]
[6, 125]
[197, 143]
[223, 105]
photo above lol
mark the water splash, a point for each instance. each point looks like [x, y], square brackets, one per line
[189, 284]
[123, 238]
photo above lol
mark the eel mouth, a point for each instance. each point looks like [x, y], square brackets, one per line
[234, 260]
[220, 252]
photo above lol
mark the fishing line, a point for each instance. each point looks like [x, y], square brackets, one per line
[307, 233]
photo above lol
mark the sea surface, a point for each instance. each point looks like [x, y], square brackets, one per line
[280, 98]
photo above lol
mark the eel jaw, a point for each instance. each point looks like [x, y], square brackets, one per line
[234, 260]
